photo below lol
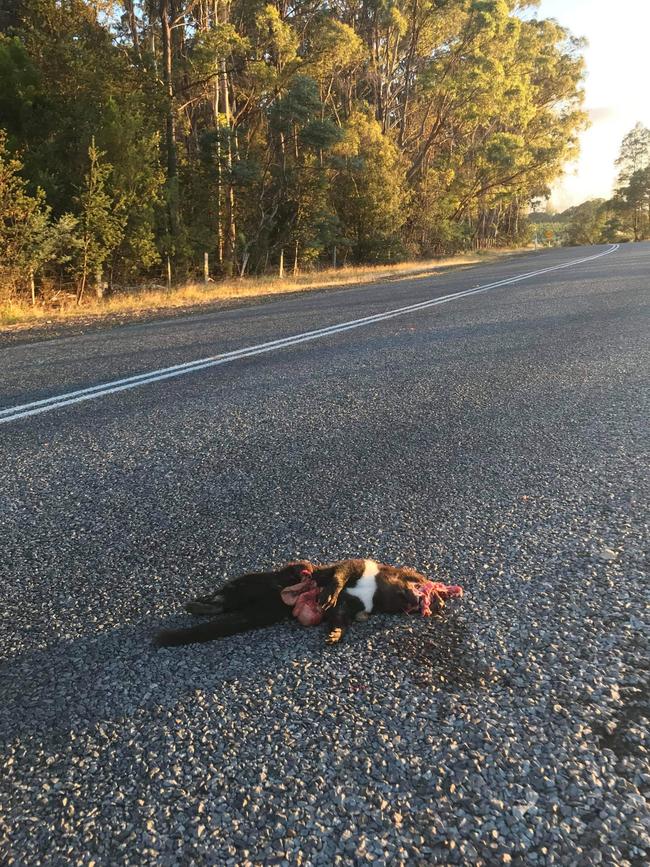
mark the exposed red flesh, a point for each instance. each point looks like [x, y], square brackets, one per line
[428, 592]
[303, 597]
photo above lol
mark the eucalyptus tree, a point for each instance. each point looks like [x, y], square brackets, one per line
[277, 134]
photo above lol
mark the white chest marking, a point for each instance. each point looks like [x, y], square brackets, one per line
[366, 586]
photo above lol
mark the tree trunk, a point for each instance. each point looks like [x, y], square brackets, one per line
[407, 73]
[170, 120]
[84, 276]
[230, 228]
[215, 110]
[151, 16]
[133, 27]
[99, 283]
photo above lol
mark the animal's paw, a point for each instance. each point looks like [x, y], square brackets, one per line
[327, 598]
[362, 616]
[334, 636]
[438, 604]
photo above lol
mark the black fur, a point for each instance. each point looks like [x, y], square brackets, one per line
[392, 596]
[248, 602]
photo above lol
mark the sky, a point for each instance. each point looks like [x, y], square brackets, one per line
[617, 88]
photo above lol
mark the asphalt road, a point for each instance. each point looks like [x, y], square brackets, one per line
[498, 440]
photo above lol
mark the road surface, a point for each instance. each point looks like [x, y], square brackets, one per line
[497, 440]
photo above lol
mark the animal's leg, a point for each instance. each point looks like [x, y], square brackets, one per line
[331, 590]
[437, 603]
[212, 603]
[340, 618]
[338, 625]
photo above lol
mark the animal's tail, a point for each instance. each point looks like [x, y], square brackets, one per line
[194, 635]
[227, 624]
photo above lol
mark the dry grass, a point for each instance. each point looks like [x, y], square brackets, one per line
[14, 314]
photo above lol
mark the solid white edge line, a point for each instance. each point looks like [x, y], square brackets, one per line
[112, 387]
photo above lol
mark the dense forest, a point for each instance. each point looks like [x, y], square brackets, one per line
[138, 136]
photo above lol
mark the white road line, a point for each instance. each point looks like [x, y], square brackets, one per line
[45, 405]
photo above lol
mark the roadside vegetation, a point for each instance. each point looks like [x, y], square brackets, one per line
[20, 311]
[168, 141]
[624, 217]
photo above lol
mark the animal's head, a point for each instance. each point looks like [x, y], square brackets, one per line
[403, 591]
[408, 596]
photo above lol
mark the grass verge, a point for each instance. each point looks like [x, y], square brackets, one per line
[15, 314]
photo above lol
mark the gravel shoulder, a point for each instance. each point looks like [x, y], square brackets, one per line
[500, 443]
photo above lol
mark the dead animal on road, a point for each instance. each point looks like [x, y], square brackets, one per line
[338, 593]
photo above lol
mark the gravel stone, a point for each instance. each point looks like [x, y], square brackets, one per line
[498, 442]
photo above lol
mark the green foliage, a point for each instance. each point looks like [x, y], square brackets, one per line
[257, 131]
[626, 216]
[20, 87]
[586, 223]
[137, 182]
[635, 152]
[632, 199]
[25, 231]
[101, 222]
[333, 47]
[298, 105]
[369, 191]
